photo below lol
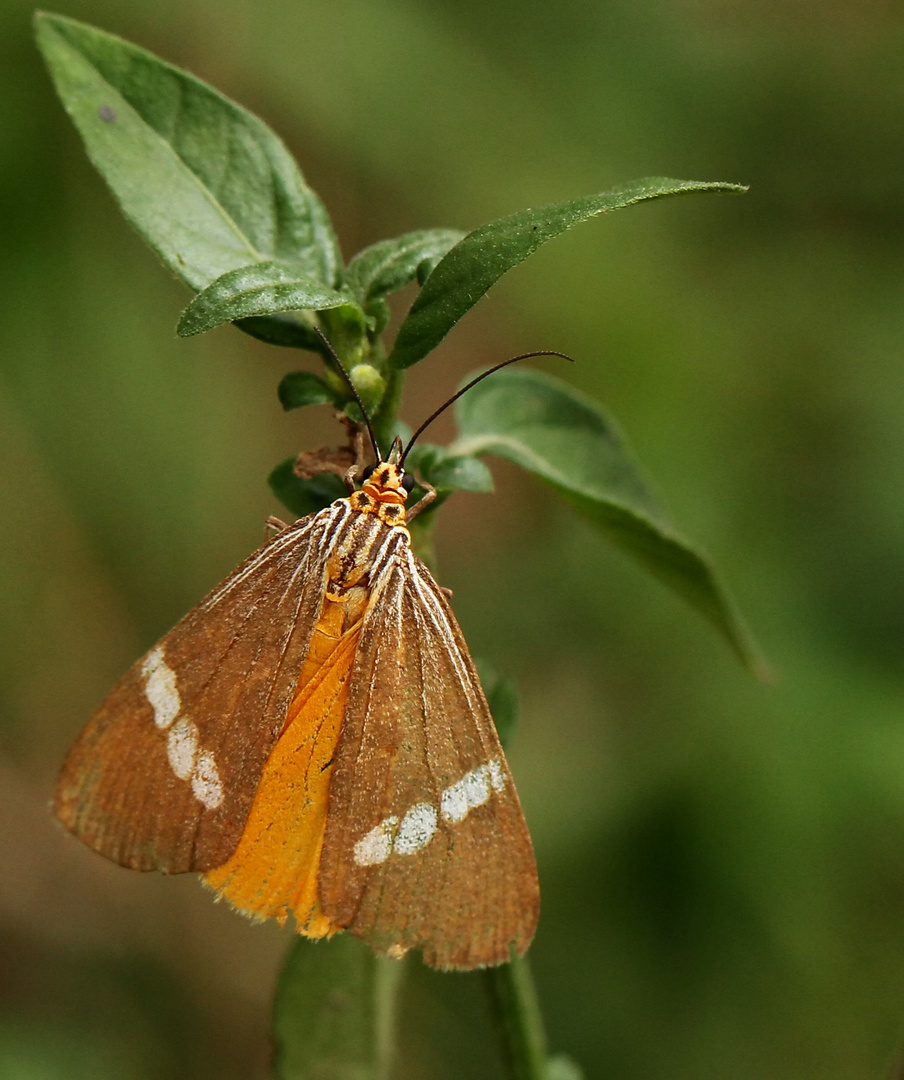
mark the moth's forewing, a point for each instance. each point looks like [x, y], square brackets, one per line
[224, 676]
[426, 846]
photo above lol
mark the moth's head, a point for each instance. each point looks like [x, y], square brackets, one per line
[386, 482]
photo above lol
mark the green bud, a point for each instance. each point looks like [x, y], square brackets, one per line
[370, 385]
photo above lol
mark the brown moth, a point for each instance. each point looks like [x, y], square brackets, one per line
[313, 738]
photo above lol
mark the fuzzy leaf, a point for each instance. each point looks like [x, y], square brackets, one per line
[562, 436]
[390, 265]
[264, 288]
[300, 388]
[206, 183]
[281, 330]
[483, 256]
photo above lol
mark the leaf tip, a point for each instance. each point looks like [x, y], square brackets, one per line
[188, 325]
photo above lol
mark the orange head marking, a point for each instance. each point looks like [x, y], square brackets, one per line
[387, 483]
[384, 489]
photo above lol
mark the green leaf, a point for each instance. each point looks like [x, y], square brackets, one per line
[300, 388]
[448, 472]
[562, 436]
[460, 473]
[390, 265]
[502, 698]
[263, 288]
[334, 1010]
[477, 262]
[304, 497]
[207, 184]
[281, 330]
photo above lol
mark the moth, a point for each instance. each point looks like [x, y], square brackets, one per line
[313, 739]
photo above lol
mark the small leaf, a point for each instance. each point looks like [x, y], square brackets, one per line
[562, 436]
[333, 1014]
[300, 388]
[263, 288]
[304, 497]
[483, 256]
[379, 313]
[502, 698]
[390, 265]
[281, 330]
[207, 184]
[459, 473]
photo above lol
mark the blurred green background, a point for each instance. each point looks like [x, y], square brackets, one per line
[722, 863]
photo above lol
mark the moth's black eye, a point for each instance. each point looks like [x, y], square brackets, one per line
[368, 473]
[408, 482]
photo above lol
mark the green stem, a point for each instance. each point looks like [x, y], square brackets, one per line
[387, 982]
[385, 418]
[519, 1019]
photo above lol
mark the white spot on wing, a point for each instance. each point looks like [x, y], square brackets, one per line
[416, 830]
[418, 826]
[205, 781]
[181, 748]
[374, 847]
[473, 790]
[185, 759]
[160, 688]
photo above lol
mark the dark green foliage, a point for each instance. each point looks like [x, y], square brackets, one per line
[304, 497]
[303, 388]
[562, 436]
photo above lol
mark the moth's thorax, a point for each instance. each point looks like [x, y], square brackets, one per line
[382, 494]
[372, 539]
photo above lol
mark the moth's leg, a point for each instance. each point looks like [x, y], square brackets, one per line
[424, 502]
[354, 472]
[276, 524]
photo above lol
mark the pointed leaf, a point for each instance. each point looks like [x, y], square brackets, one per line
[207, 184]
[262, 288]
[334, 1009]
[562, 436]
[390, 265]
[477, 262]
[300, 388]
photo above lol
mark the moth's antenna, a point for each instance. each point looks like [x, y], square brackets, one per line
[474, 382]
[351, 386]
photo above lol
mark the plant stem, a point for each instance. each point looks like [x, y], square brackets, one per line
[387, 982]
[518, 1018]
[385, 417]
